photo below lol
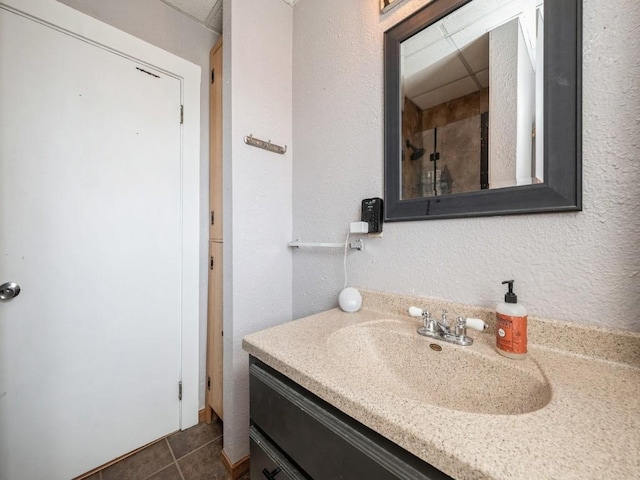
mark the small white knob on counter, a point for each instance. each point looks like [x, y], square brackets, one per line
[476, 324]
[415, 311]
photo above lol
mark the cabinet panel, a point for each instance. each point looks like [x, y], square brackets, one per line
[214, 329]
[322, 441]
[214, 323]
[215, 144]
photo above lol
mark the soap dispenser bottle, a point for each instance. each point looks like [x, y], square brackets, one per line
[511, 326]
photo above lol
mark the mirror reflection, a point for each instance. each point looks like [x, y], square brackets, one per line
[472, 100]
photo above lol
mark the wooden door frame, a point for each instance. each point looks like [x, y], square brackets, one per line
[88, 29]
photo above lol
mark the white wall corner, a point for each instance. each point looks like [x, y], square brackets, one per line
[257, 96]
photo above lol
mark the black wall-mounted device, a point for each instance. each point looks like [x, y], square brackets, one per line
[373, 214]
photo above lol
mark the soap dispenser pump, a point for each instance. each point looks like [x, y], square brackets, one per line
[511, 326]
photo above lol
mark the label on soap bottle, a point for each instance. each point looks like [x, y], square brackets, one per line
[511, 333]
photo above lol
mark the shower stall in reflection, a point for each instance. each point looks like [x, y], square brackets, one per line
[455, 138]
[496, 68]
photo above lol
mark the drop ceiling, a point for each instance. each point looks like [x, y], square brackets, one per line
[450, 58]
[206, 12]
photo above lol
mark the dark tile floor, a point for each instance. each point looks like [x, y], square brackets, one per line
[192, 454]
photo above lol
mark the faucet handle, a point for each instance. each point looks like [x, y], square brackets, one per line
[426, 317]
[477, 324]
[427, 321]
[461, 327]
[430, 324]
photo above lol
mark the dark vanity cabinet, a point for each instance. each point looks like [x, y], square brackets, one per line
[296, 435]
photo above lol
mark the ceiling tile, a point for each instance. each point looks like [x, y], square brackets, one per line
[207, 12]
[483, 77]
[214, 20]
[442, 72]
[198, 9]
[456, 89]
[476, 53]
[428, 54]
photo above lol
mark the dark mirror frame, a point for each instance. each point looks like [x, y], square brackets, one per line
[562, 187]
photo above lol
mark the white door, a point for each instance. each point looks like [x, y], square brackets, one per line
[90, 228]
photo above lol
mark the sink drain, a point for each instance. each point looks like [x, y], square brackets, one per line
[435, 347]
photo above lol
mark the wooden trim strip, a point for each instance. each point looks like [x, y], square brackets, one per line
[116, 460]
[235, 470]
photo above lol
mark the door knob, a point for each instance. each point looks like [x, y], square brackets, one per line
[9, 290]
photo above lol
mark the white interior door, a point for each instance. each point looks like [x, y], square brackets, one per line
[90, 228]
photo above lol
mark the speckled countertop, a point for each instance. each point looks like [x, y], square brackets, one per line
[579, 385]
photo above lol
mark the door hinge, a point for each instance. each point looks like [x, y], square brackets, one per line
[213, 217]
[213, 75]
[181, 114]
[211, 263]
[179, 390]
[208, 383]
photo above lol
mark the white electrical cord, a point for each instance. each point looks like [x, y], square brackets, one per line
[346, 245]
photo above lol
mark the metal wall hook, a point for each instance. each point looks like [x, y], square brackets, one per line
[271, 147]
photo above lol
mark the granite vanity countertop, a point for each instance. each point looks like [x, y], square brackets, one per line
[590, 429]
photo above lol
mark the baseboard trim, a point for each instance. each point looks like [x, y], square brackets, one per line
[201, 415]
[116, 460]
[235, 470]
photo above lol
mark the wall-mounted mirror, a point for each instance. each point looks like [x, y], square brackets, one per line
[483, 109]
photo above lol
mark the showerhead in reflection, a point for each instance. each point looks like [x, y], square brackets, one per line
[417, 154]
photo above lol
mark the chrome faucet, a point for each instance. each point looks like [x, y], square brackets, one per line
[440, 330]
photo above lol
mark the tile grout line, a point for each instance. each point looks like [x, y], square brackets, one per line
[200, 447]
[167, 465]
[175, 460]
[158, 471]
[132, 454]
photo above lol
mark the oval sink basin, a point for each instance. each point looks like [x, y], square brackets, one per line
[393, 357]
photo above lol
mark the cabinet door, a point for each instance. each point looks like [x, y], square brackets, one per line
[322, 441]
[214, 329]
[215, 144]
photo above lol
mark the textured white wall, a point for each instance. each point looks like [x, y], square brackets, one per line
[582, 267]
[162, 26]
[503, 104]
[257, 60]
[526, 110]
[511, 106]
